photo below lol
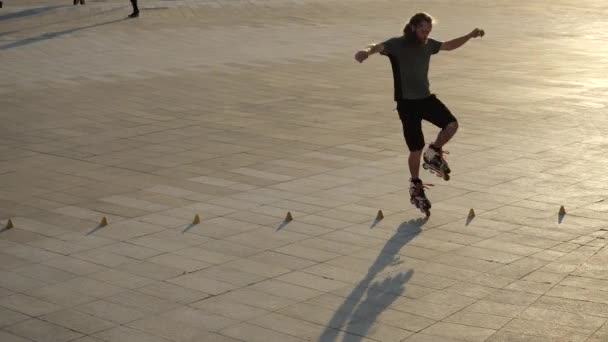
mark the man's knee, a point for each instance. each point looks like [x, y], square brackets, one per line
[452, 125]
[414, 140]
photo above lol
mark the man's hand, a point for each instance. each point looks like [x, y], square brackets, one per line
[362, 55]
[476, 33]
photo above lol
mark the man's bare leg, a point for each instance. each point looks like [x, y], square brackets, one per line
[414, 163]
[416, 188]
[445, 135]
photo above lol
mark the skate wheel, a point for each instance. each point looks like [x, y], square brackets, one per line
[425, 166]
[446, 177]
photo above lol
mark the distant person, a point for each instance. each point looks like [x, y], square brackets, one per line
[135, 13]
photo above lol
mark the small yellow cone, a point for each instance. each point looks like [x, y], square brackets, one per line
[9, 224]
[196, 220]
[104, 222]
[380, 215]
[288, 217]
[471, 213]
[562, 211]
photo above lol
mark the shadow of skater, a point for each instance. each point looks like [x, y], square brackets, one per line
[28, 12]
[52, 35]
[379, 295]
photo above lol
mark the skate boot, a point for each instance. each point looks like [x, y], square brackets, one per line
[434, 161]
[418, 197]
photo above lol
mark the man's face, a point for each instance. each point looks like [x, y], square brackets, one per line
[423, 30]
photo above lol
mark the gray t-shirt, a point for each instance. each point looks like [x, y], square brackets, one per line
[410, 66]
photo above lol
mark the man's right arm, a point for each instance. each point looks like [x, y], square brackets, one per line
[362, 55]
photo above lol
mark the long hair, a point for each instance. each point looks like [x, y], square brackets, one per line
[415, 20]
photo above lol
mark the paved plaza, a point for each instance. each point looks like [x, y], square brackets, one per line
[196, 128]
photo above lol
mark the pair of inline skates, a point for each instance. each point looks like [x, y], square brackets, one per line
[434, 161]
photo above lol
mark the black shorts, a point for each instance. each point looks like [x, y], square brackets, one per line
[412, 112]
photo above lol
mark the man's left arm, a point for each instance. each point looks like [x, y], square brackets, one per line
[458, 42]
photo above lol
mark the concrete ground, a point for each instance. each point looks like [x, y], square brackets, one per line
[242, 111]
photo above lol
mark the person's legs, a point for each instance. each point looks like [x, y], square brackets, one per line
[135, 9]
[414, 138]
[435, 112]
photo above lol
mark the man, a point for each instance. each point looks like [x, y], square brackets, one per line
[135, 13]
[410, 55]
